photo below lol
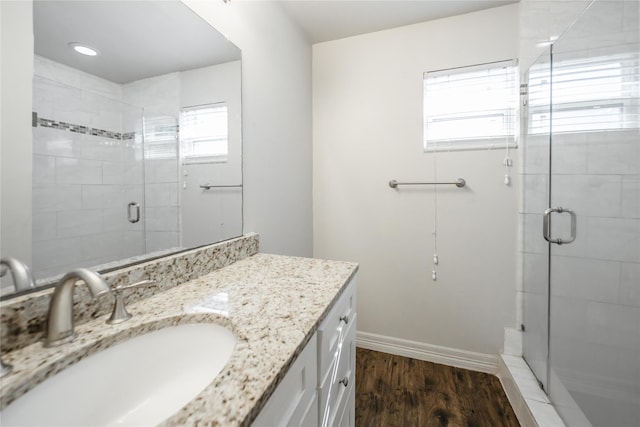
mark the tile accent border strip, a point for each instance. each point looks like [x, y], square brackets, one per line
[86, 130]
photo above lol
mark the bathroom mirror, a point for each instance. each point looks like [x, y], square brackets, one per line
[136, 147]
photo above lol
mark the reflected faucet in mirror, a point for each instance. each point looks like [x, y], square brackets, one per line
[22, 279]
[113, 149]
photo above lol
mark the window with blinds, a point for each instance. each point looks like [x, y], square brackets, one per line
[589, 94]
[160, 137]
[204, 133]
[472, 107]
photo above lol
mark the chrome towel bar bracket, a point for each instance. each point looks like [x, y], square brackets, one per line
[458, 183]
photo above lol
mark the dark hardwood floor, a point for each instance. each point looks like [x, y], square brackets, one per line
[399, 391]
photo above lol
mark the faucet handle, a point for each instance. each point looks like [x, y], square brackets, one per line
[120, 313]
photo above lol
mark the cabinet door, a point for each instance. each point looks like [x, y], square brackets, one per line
[294, 401]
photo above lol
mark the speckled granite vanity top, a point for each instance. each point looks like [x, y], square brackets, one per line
[273, 304]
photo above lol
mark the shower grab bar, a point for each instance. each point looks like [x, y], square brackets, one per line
[209, 187]
[458, 183]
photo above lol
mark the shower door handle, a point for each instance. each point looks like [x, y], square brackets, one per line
[546, 225]
[133, 219]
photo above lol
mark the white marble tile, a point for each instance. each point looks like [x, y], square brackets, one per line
[613, 325]
[102, 196]
[133, 243]
[102, 247]
[162, 219]
[70, 76]
[536, 154]
[56, 197]
[115, 219]
[159, 94]
[609, 155]
[535, 273]
[593, 195]
[158, 240]
[161, 170]
[157, 195]
[55, 142]
[533, 241]
[44, 170]
[524, 379]
[614, 239]
[512, 342]
[101, 148]
[545, 414]
[78, 171]
[133, 193]
[588, 279]
[630, 284]
[570, 153]
[79, 222]
[536, 193]
[631, 196]
[112, 173]
[44, 226]
[52, 254]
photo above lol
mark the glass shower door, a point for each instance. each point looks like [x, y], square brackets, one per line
[535, 182]
[594, 183]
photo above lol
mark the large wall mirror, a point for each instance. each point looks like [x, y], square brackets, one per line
[136, 146]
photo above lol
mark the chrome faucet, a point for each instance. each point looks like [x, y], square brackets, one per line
[22, 278]
[60, 317]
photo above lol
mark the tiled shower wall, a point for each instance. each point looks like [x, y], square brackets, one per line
[88, 165]
[86, 170]
[595, 281]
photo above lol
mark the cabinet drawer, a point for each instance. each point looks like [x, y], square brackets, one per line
[341, 315]
[347, 411]
[333, 396]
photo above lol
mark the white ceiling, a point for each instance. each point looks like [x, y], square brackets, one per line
[327, 20]
[140, 39]
[136, 39]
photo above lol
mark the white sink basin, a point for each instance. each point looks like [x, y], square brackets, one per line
[141, 381]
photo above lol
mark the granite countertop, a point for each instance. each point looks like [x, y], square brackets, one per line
[273, 304]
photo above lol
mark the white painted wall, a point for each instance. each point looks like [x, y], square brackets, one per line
[223, 216]
[276, 105]
[367, 129]
[16, 69]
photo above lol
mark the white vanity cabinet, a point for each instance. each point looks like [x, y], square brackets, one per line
[337, 362]
[294, 402]
[319, 389]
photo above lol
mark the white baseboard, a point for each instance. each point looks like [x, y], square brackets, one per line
[431, 353]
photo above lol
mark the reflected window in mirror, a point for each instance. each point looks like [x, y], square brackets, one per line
[204, 133]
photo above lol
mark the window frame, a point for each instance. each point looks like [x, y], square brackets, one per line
[444, 80]
[185, 155]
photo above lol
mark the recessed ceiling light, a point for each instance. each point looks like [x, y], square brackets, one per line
[84, 49]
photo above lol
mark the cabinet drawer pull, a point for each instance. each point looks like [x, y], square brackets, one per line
[345, 319]
[344, 381]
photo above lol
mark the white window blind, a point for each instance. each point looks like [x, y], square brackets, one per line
[160, 137]
[471, 107]
[588, 94]
[204, 133]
